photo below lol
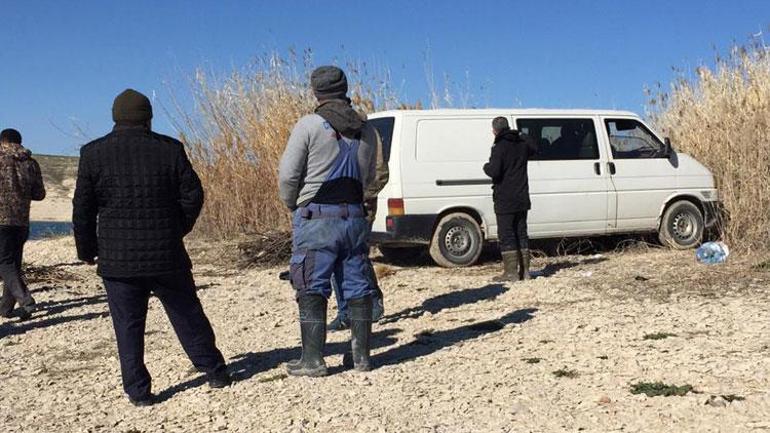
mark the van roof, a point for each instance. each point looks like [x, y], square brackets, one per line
[502, 111]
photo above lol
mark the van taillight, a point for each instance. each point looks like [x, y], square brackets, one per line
[395, 206]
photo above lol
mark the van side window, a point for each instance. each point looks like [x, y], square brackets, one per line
[560, 139]
[629, 139]
[384, 126]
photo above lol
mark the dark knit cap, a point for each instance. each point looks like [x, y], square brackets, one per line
[131, 107]
[329, 82]
[500, 124]
[10, 136]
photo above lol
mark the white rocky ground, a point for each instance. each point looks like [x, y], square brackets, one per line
[452, 352]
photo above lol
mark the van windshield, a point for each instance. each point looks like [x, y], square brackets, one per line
[384, 126]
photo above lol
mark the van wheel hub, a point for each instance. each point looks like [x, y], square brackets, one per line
[457, 241]
[683, 226]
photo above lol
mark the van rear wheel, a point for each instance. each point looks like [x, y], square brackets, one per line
[682, 226]
[457, 241]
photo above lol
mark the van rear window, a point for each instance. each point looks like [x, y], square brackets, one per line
[384, 126]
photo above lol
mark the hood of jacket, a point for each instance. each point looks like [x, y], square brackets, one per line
[342, 117]
[511, 135]
[15, 151]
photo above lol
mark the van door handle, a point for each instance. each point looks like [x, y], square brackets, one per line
[611, 165]
[597, 169]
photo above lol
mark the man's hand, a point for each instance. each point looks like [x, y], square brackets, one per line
[90, 262]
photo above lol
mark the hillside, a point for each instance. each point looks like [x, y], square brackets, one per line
[59, 173]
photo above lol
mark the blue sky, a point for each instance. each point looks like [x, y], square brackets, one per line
[63, 62]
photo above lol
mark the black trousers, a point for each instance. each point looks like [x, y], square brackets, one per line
[128, 298]
[12, 240]
[512, 231]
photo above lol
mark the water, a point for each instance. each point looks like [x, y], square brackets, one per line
[46, 229]
[712, 253]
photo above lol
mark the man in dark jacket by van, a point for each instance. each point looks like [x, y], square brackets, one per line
[20, 182]
[507, 167]
[146, 196]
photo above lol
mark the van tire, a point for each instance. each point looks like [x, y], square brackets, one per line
[457, 241]
[682, 226]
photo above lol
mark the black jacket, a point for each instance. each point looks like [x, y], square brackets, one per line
[507, 167]
[146, 196]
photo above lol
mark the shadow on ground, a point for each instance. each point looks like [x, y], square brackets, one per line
[447, 301]
[41, 317]
[556, 247]
[247, 365]
[16, 328]
[428, 343]
[551, 269]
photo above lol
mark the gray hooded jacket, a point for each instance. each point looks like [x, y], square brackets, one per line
[310, 156]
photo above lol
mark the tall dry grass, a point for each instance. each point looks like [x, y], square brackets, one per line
[721, 116]
[239, 128]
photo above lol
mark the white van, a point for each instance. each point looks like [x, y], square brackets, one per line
[595, 173]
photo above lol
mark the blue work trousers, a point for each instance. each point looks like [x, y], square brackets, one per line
[327, 240]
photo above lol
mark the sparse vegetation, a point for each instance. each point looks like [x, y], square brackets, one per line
[658, 336]
[732, 397]
[563, 372]
[655, 389]
[532, 360]
[720, 117]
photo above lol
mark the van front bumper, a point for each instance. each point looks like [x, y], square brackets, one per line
[406, 230]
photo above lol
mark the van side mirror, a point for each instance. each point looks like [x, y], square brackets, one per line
[667, 149]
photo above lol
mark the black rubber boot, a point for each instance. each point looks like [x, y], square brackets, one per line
[510, 267]
[378, 307]
[524, 259]
[220, 378]
[147, 400]
[312, 323]
[360, 333]
[339, 324]
[378, 299]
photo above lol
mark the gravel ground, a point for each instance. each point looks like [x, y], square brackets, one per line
[455, 353]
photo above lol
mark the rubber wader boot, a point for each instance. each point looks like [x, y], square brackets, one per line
[360, 334]
[510, 267]
[312, 324]
[524, 270]
[339, 324]
[378, 299]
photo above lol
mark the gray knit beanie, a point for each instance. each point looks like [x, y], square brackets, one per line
[329, 82]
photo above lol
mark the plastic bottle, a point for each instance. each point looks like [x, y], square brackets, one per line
[711, 253]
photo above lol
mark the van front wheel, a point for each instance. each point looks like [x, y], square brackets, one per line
[457, 241]
[682, 226]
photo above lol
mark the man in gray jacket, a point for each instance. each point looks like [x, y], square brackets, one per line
[329, 161]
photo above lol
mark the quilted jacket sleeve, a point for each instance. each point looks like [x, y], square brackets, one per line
[84, 212]
[191, 194]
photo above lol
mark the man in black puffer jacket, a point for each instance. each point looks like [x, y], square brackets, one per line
[146, 197]
[507, 167]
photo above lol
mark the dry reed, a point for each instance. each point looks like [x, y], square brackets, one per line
[240, 126]
[722, 117]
